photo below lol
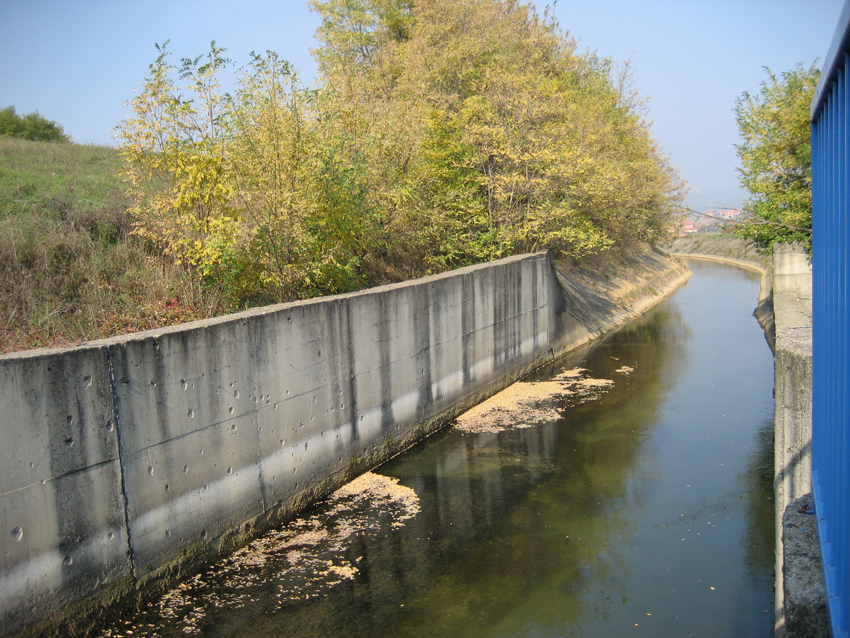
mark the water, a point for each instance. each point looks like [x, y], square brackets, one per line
[646, 512]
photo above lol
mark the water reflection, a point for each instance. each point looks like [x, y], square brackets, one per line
[549, 509]
[646, 511]
[757, 483]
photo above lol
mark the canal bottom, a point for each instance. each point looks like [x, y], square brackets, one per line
[641, 509]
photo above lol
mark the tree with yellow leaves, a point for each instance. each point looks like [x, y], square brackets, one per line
[442, 133]
[175, 161]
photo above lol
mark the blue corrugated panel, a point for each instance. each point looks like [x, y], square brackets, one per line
[831, 382]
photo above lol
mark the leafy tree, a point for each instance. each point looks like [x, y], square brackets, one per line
[241, 189]
[176, 164]
[776, 157]
[30, 127]
[269, 131]
[508, 140]
[443, 133]
[296, 190]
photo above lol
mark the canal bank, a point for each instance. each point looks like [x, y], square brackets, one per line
[637, 501]
[785, 312]
[739, 252]
[133, 461]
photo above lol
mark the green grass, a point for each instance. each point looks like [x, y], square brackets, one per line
[44, 176]
[70, 269]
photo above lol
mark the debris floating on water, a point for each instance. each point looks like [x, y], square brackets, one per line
[528, 403]
[301, 561]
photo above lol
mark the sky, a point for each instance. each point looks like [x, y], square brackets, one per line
[78, 62]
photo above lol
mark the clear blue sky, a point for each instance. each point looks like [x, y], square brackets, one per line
[78, 61]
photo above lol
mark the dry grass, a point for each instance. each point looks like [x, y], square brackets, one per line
[70, 270]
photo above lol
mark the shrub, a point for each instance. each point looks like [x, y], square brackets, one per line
[30, 127]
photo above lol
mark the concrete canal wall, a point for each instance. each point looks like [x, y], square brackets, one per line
[801, 591]
[792, 302]
[129, 462]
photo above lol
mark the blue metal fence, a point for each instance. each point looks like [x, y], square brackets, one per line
[831, 381]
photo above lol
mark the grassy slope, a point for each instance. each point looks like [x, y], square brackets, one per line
[69, 269]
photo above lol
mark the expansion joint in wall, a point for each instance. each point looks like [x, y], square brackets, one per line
[116, 418]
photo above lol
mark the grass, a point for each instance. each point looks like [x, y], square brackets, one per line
[70, 269]
[34, 175]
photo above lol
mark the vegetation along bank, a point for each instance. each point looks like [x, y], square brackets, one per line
[439, 135]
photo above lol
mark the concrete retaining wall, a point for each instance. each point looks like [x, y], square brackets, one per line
[64, 532]
[792, 300]
[129, 461]
[800, 590]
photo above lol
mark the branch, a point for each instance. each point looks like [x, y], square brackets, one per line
[753, 220]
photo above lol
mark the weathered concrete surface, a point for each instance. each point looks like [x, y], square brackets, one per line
[793, 273]
[601, 295]
[721, 247]
[805, 595]
[64, 533]
[135, 459]
[233, 418]
[792, 301]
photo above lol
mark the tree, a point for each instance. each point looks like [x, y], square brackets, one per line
[443, 133]
[30, 127]
[246, 191]
[504, 139]
[776, 157]
[269, 129]
[296, 190]
[176, 162]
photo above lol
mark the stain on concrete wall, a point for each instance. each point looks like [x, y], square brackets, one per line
[130, 460]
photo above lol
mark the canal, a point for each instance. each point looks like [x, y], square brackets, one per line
[625, 490]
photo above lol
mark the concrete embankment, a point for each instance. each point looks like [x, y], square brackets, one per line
[801, 592]
[129, 462]
[785, 311]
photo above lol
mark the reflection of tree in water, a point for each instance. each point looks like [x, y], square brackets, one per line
[525, 522]
[758, 486]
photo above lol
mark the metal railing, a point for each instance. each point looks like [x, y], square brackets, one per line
[831, 318]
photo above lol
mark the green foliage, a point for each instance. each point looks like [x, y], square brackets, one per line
[176, 164]
[507, 139]
[30, 127]
[443, 133]
[776, 157]
[245, 190]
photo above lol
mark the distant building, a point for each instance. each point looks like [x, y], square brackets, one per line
[688, 228]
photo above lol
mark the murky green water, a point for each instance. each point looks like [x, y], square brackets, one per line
[646, 512]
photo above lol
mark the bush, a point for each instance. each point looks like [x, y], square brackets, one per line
[30, 127]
